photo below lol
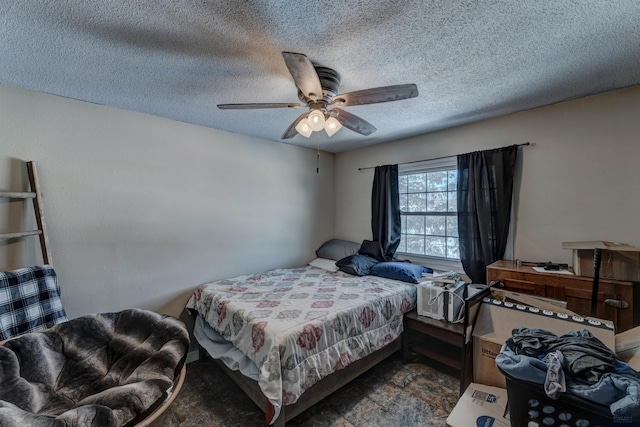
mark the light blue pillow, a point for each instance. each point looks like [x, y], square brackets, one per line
[404, 271]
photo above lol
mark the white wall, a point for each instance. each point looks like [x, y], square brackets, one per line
[581, 180]
[141, 209]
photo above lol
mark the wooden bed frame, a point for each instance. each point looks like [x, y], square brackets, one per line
[318, 391]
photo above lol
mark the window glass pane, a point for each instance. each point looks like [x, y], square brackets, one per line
[437, 181]
[417, 182]
[453, 250]
[415, 244]
[453, 180]
[452, 226]
[431, 190]
[437, 202]
[415, 224]
[417, 202]
[436, 225]
[453, 201]
[435, 246]
[403, 203]
[402, 183]
[403, 243]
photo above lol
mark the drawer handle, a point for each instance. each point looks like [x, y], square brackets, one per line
[616, 303]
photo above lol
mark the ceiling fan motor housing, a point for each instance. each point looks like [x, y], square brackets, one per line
[330, 83]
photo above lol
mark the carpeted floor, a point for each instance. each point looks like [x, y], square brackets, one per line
[391, 394]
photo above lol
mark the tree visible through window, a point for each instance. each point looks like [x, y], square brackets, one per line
[428, 205]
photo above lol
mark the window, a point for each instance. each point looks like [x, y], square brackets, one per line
[428, 205]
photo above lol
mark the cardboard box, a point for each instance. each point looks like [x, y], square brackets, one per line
[496, 320]
[480, 405]
[628, 347]
[619, 261]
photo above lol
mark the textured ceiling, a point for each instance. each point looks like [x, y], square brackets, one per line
[471, 60]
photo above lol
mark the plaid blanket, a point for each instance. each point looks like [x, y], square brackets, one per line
[29, 301]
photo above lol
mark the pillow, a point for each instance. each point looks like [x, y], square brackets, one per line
[358, 265]
[325, 264]
[337, 249]
[371, 249]
[29, 301]
[405, 271]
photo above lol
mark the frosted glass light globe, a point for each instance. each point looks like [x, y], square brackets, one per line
[332, 126]
[316, 120]
[303, 128]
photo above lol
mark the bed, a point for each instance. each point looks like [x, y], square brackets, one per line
[293, 336]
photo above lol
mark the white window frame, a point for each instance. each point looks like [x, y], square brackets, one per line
[437, 263]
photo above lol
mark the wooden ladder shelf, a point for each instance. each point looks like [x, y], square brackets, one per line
[36, 196]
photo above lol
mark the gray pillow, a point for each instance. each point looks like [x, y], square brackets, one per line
[336, 249]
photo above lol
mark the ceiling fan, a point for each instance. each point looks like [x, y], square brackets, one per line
[318, 90]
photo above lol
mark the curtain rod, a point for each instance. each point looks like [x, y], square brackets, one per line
[437, 158]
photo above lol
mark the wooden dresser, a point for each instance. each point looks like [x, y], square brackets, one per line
[575, 290]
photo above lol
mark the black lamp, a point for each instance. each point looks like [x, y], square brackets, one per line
[597, 255]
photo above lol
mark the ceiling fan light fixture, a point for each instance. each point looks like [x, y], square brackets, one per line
[332, 125]
[303, 128]
[316, 120]
[318, 89]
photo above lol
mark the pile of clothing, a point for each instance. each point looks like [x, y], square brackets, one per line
[577, 362]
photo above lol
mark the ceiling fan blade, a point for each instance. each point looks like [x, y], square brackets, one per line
[291, 130]
[377, 95]
[259, 105]
[304, 74]
[353, 122]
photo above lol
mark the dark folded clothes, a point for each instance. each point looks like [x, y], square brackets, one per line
[585, 356]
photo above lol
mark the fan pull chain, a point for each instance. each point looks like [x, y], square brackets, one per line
[318, 153]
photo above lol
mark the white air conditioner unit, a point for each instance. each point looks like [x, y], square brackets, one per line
[454, 300]
[445, 301]
[431, 300]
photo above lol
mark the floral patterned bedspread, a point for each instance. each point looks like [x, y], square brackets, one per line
[300, 325]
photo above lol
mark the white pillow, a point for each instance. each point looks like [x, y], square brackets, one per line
[325, 264]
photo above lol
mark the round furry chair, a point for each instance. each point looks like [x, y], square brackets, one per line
[110, 369]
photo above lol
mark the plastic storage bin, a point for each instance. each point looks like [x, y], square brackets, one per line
[529, 406]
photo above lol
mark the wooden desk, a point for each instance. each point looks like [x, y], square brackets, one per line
[575, 290]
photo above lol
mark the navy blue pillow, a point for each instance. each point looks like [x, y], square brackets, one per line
[371, 249]
[405, 271]
[358, 265]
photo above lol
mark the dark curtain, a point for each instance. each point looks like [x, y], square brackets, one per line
[485, 188]
[385, 210]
